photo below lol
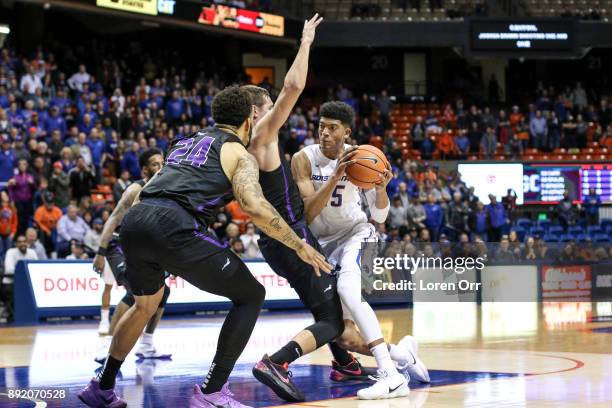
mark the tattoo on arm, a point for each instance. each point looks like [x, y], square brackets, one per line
[247, 191]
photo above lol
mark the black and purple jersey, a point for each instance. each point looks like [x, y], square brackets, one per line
[192, 175]
[282, 192]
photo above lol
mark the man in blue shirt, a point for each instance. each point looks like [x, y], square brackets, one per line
[592, 202]
[7, 160]
[175, 107]
[434, 217]
[96, 145]
[55, 121]
[463, 145]
[130, 161]
[498, 218]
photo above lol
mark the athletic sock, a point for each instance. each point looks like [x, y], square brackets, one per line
[399, 355]
[109, 373]
[146, 338]
[383, 358]
[215, 379]
[288, 354]
[104, 315]
[341, 356]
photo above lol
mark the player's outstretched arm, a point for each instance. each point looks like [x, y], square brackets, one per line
[127, 199]
[243, 171]
[315, 201]
[267, 128]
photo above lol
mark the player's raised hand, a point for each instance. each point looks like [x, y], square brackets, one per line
[344, 161]
[310, 27]
[310, 255]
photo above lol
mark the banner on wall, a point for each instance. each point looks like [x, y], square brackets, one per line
[602, 282]
[243, 20]
[133, 6]
[68, 284]
[566, 282]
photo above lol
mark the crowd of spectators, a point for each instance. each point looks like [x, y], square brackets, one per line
[66, 132]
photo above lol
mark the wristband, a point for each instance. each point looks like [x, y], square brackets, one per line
[102, 251]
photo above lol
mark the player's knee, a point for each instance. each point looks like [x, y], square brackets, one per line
[165, 296]
[348, 339]
[259, 294]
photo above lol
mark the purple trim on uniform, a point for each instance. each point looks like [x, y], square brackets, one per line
[208, 203]
[286, 187]
[305, 234]
[205, 237]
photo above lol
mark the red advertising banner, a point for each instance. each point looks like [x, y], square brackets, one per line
[244, 20]
[566, 282]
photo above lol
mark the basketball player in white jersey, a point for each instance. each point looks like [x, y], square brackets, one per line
[335, 216]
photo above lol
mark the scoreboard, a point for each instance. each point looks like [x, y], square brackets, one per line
[598, 176]
[545, 183]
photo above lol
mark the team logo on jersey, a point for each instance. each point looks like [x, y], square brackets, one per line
[318, 177]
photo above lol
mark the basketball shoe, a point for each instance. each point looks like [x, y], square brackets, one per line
[221, 399]
[278, 378]
[386, 386]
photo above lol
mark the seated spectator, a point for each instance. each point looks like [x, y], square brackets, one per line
[94, 235]
[34, 243]
[462, 144]
[77, 251]
[8, 223]
[82, 180]
[237, 247]
[232, 231]
[446, 145]
[46, 217]
[504, 253]
[21, 252]
[428, 146]
[249, 242]
[70, 227]
[237, 215]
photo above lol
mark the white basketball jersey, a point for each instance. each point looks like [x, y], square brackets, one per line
[343, 211]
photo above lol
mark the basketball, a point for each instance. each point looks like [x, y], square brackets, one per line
[370, 163]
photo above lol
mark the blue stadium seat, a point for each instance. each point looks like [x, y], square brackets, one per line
[583, 237]
[550, 238]
[602, 238]
[555, 230]
[544, 223]
[609, 229]
[566, 238]
[575, 229]
[605, 224]
[582, 222]
[594, 229]
[524, 223]
[537, 230]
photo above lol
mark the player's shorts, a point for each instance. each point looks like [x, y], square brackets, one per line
[346, 254]
[107, 275]
[311, 289]
[158, 235]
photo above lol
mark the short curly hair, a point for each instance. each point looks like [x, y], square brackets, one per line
[232, 106]
[338, 110]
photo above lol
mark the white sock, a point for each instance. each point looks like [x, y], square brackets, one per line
[146, 338]
[104, 314]
[398, 355]
[383, 359]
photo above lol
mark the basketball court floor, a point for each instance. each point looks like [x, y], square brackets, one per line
[494, 355]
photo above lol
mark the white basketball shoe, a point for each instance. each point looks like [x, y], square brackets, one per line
[386, 386]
